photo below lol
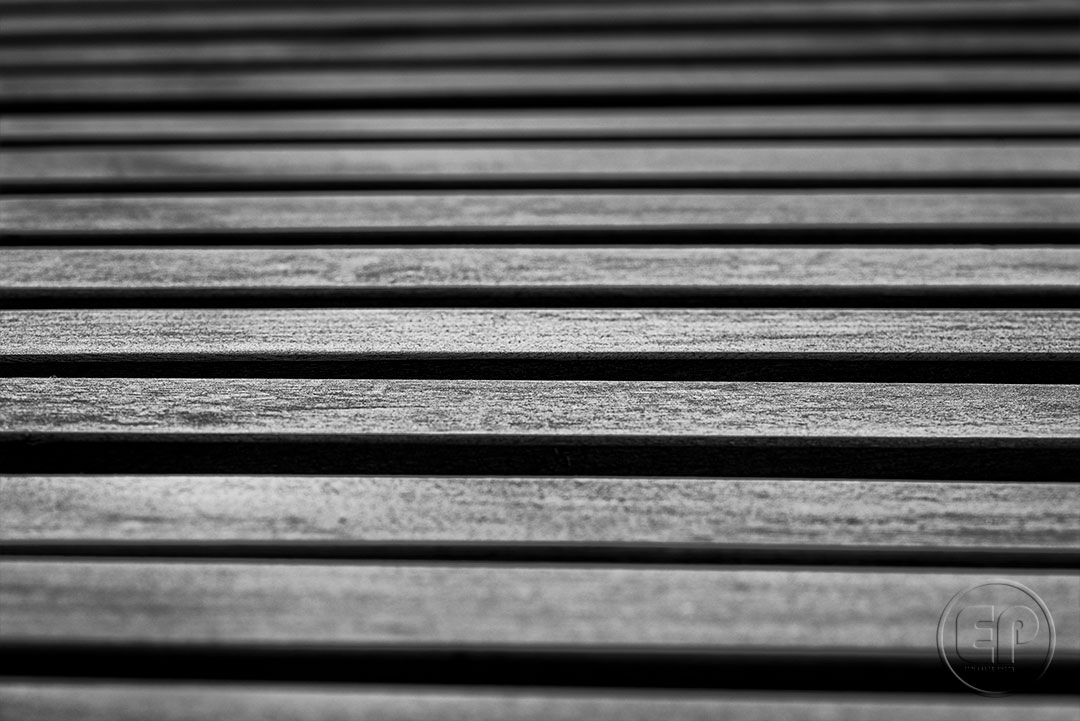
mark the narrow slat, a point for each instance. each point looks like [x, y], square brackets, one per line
[570, 410]
[741, 164]
[297, 511]
[945, 121]
[529, 333]
[376, 604]
[630, 210]
[525, 269]
[119, 701]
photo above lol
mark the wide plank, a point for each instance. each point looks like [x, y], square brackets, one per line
[315, 515]
[735, 165]
[357, 213]
[51, 700]
[493, 125]
[374, 333]
[359, 604]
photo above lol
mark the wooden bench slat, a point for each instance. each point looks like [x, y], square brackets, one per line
[704, 162]
[48, 700]
[532, 333]
[423, 604]
[566, 410]
[523, 268]
[495, 511]
[510, 124]
[433, 85]
[458, 211]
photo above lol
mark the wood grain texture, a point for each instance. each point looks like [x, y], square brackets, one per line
[856, 162]
[418, 604]
[508, 124]
[374, 211]
[333, 509]
[118, 701]
[920, 269]
[431, 86]
[532, 333]
[987, 414]
[454, 17]
[535, 48]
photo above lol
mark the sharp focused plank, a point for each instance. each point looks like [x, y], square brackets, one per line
[536, 48]
[373, 211]
[118, 701]
[507, 124]
[432, 85]
[340, 510]
[451, 17]
[532, 409]
[521, 268]
[855, 162]
[356, 604]
[483, 333]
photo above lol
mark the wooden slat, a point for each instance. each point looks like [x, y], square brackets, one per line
[536, 268]
[118, 701]
[568, 410]
[373, 211]
[366, 604]
[528, 333]
[454, 17]
[581, 47]
[431, 86]
[501, 125]
[657, 162]
[297, 510]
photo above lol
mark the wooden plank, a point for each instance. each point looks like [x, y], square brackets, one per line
[735, 164]
[358, 213]
[374, 333]
[455, 17]
[47, 700]
[430, 87]
[944, 121]
[524, 269]
[296, 512]
[343, 605]
[567, 410]
[580, 47]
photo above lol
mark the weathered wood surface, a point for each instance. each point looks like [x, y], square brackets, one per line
[372, 211]
[118, 701]
[346, 604]
[734, 163]
[553, 333]
[987, 414]
[430, 86]
[801, 123]
[334, 509]
[536, 48]
[542, 267]
[504, 18]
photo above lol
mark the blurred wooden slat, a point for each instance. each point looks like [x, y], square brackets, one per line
[449, 17]
[118, 701]
[374, 334]
[741, 163]
[429, 87]
[555, 48]
[345, 604]
[525, 269]
[356, 408]
[489, 125]
[299, 510]
[565, 211]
